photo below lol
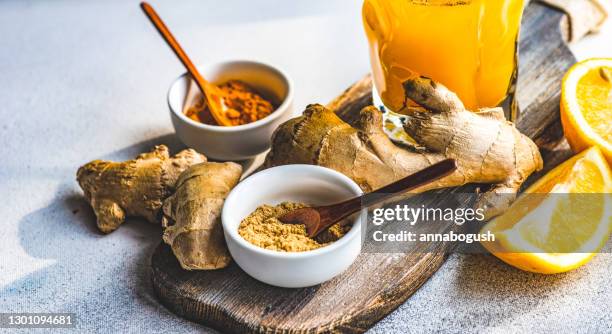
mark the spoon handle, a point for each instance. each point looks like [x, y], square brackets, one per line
[420, 178]
[202, 83]
[430, 174]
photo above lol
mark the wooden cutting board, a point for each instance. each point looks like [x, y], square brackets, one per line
[230, 300]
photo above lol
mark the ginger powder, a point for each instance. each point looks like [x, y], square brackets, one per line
[263, 229]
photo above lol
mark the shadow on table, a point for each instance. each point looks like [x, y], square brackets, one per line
[99, 277]
[170, 140]
[505, 281]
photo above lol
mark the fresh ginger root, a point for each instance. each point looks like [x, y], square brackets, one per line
[192, 215]
[486, 147]
[136, 187]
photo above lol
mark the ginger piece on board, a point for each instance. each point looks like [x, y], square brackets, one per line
[487, 148]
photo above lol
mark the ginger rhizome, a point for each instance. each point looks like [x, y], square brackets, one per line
[192, 215]
[184, 192]
[137, 187]
[486, 147]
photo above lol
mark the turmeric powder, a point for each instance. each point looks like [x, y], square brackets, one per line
[244, 105]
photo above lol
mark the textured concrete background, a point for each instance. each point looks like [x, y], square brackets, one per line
[81, 80]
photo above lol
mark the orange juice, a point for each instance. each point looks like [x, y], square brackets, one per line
[468, 45]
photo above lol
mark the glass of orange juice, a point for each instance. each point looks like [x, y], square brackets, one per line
[470, 46]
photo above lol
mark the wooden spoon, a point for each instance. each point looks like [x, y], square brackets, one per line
[212, 96]
[319, 219]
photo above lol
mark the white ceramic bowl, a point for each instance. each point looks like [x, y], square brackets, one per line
[296, 183]
[233, 142]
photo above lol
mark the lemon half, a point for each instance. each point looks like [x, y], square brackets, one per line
[586, 105]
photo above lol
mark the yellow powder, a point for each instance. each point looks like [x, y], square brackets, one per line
[263, 229]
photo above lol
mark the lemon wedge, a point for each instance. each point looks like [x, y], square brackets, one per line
[586, 105]
[561, 221]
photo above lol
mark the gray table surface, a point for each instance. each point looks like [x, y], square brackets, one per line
[81, 80]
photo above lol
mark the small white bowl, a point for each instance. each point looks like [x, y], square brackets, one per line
[308, 184]
[239, 142]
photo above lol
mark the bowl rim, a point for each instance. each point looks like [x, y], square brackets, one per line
[278, 112]
[354, 232]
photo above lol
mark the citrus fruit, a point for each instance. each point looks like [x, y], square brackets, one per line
[586, 105]
[561, 221]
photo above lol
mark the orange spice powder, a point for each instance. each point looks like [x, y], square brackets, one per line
[244, 105]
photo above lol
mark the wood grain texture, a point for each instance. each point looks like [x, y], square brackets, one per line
[231, 301]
